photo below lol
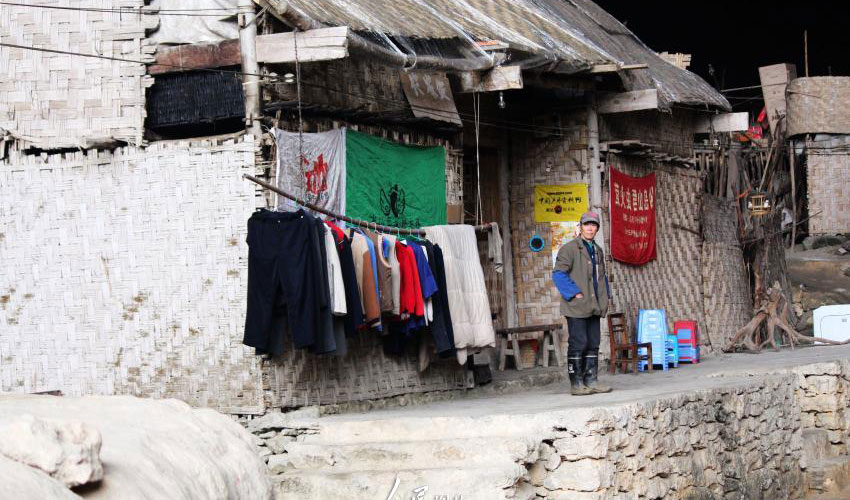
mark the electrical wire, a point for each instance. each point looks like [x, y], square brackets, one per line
[212, 12]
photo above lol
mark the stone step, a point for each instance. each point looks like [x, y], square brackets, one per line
[477, 452]
[362, 428]
[816, 445]
[481, 483]
[829, 475]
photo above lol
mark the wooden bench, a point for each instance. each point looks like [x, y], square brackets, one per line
[509, 344]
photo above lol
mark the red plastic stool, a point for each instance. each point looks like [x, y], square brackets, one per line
[688, 334]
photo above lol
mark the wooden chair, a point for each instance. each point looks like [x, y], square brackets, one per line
[624, 349]
[509, 344]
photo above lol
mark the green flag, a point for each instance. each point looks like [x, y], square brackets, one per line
[393, 184]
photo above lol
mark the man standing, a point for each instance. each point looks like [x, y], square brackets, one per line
[580, 277]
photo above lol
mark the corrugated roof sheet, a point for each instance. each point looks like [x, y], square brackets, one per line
[577, 32]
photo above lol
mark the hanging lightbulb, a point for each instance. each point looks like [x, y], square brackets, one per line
[501, 100]
[289, 78]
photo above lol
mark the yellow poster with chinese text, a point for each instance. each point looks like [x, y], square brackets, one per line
[562, 203]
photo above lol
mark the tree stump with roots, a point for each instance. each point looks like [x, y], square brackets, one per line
[773, 309]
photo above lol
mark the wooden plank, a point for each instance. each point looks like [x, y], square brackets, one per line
[499, 78]
[196, 56]
[322, 44]
[774, 79]
[723, 122]
[628, 101]
[430, 95]
[613, 68]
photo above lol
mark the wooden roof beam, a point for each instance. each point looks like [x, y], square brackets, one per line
[613, 68]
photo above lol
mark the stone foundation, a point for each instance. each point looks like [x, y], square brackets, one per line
[730, 434]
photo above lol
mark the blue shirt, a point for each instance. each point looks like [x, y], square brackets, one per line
[591, 249]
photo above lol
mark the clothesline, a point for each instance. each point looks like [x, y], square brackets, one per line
[369, 225]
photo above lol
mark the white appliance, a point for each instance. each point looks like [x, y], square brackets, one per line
[833, 322]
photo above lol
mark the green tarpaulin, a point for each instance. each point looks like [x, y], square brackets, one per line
[393, 184]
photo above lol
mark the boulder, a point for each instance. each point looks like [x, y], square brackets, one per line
[156, 448]
[21, 481]
[826, 240]
[68, 451]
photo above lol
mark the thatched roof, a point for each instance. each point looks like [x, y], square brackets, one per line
[577, 34]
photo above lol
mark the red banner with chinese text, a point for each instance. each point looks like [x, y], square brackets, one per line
[632, 207]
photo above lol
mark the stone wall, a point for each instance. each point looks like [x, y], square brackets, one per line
[125, 273]
[823, 391]
[51, 100]
[737, 442]
[736, 434]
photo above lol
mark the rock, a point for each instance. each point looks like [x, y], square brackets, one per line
[278, 444]
[302, 419]
[537, 473]
[279, 464]
[552, 462]
[594, 446]
[23, 482]
[826, 240]
[157, 448]
[68, 451]
[582, 475]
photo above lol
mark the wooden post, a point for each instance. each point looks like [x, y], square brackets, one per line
[806, 49]
[791, 161]
[593, 146]
[251, 80]
[505, 223]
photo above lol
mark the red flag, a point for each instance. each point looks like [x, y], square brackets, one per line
[632, 218]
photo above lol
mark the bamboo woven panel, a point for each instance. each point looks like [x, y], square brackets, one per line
[58, 101]
[828, 168]
[673, 281]
[560, 160]
[300, 379]
[818, 105]
[728, 303]
[125, 273]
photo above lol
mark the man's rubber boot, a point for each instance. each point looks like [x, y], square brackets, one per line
[574, 369]
[591, 369]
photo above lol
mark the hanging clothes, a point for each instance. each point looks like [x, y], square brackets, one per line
[365, 278]
[284, 278]
[354, 317]
[384, 270]
[471, 320]
[410, 295]
[326, 340]
[388, 245]
[427, 284]
[373, 288]
[441, 326]
[335, 281]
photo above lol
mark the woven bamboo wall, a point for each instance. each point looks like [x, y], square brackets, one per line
[726, 288]
[535, 161]
[828, 168]
[58, 101]
[672, 133]
[125, 273]
[818, 105]
[673, 281]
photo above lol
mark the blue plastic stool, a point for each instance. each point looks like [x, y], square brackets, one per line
[652, 328]
[672, 350]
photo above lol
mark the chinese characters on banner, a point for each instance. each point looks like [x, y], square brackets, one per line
[560, 203]
[632, 218]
